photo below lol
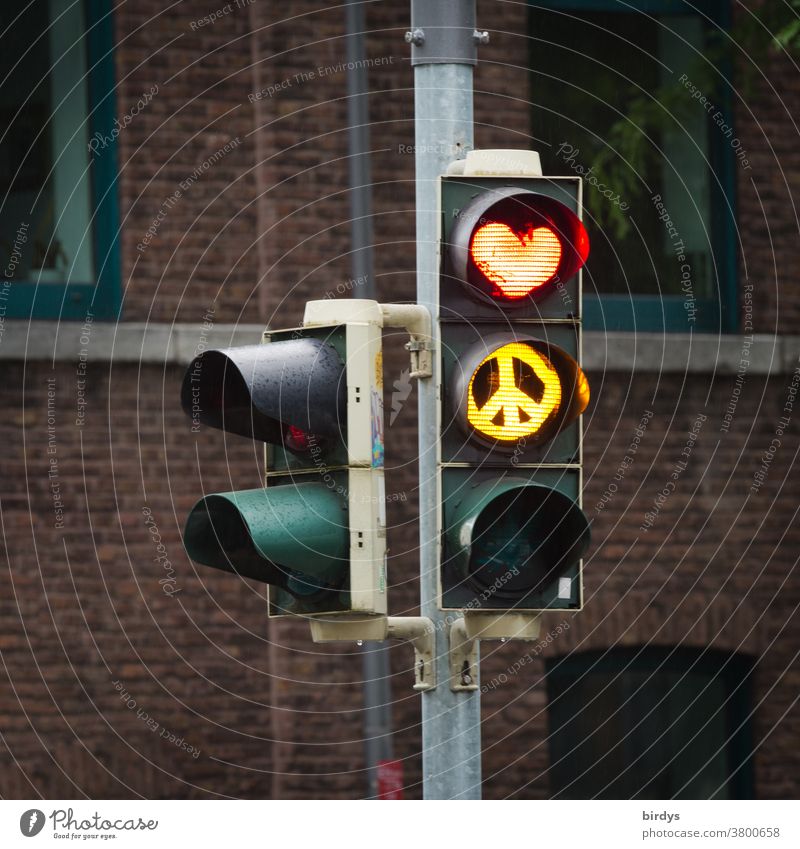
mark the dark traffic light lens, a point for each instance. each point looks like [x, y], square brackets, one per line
[522, 537]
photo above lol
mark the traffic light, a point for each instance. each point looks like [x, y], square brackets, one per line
[512, 390]
[316, 531]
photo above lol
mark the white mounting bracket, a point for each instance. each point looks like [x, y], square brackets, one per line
[418, 630]
[421, 633]
[483, 625]
[414, 318]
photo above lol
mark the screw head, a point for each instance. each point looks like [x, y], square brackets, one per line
[417, 37]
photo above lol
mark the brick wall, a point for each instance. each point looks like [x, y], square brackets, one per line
[260, 231]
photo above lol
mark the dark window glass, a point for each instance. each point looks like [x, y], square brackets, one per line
[653, 217]
[45, 214]
[650, 724]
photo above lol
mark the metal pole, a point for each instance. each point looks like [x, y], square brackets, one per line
[377, 723]
[442, 36]
[358, 154]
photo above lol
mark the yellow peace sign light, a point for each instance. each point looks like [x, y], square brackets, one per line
[513, 393]
[517, 391]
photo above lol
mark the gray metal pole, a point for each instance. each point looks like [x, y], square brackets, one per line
[358, 150]
[377, 724]
[443, 52]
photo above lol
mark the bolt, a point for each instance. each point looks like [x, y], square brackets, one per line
[417, 37]
[480, 36]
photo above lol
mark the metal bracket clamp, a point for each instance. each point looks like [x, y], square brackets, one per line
[421, 365]
[421, 633]
[443, 32]
[463, 658]
[483, 625]
[413, 318]
[418, 630]
[416, 319]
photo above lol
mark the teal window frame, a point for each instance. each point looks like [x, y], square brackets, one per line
[737, 671]
[101, 297]
[657, 314]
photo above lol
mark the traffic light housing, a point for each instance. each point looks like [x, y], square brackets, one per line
[512, 393]
[315, 533]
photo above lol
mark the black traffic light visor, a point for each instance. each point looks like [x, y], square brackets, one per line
[259, 391]
[257, 533]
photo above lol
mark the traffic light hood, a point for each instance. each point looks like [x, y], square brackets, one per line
[261, 391]
[257, 533]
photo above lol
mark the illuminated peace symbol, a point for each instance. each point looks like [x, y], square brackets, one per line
[513, 392]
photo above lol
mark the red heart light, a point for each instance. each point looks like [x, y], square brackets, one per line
[516, 263]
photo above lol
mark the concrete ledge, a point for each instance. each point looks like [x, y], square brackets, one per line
[683, 352]
[162, 344]
[126, 342]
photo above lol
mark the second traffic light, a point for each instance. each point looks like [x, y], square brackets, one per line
[316, 532]
[513, 532]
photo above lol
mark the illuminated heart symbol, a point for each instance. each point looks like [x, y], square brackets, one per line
[516, 263]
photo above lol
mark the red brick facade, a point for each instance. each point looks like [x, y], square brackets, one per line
[128, 671]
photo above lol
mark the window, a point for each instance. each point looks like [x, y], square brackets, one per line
[58, 216]
[651, 723]
[616, 94]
